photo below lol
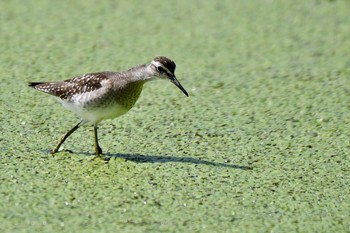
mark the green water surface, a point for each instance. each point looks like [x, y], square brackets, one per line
[261, 145]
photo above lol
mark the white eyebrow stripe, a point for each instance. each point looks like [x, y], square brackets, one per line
[157, 64]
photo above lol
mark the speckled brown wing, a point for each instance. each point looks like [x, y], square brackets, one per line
[77, 85]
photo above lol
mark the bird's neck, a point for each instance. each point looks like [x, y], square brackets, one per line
[142, 74]
[130, 84]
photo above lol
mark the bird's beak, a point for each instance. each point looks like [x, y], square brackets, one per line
[177, 83]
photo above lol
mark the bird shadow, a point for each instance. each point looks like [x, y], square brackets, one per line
[138, 158]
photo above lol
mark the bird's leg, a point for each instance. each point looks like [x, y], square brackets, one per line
[98, 149]
[64, 137]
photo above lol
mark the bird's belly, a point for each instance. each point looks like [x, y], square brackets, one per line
[96, 114]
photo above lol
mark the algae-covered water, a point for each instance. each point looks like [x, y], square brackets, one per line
[261, 145]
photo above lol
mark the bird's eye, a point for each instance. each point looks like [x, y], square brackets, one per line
[160, 69]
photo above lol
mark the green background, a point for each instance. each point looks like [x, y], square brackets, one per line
[261, 145]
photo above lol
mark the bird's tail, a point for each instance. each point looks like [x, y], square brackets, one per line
[34, 84]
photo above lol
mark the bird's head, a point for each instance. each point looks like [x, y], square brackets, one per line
[164, 68]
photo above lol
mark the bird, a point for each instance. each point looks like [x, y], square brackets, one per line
[95, 97]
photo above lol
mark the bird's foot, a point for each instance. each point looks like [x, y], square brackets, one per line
[98, 150]
[101, 158]
[53, 151]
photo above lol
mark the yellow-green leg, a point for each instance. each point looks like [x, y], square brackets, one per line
[64, 137]
[98, 149]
